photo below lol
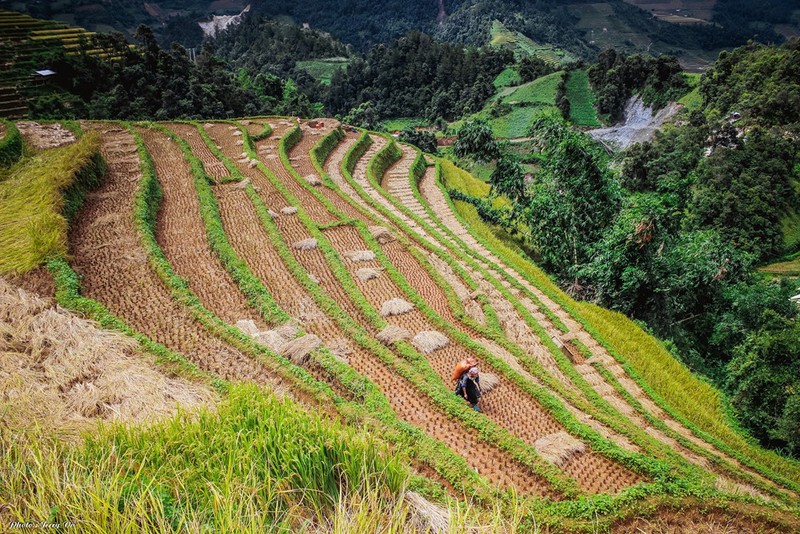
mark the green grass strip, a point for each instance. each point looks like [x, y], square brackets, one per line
[10, 144]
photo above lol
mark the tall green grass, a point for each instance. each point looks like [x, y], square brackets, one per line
[256, 463]
[10, 145]
[33, 220]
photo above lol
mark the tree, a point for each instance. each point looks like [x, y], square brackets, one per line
[476, 140]
[424, 140]
[764, 382]
[508, 179]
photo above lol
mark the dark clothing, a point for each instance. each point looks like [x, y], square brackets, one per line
[471, 387]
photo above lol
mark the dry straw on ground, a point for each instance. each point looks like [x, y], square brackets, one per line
[367, 273]
[392, 333]
[360, 255]
[298, 349]
[270, 339]
[61, 371]
[425, 515]
[306, 244]
[489, 381]
[248, 326]
[558, 448]
[428, 341]
[289, 210]
[381, 234]
[313, 180]
[396, 306]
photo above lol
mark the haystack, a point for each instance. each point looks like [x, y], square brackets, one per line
[558, 448]
[271, 339]
[271, 214]
[341, 349]
[253, 163]
[248, 326]
[244, 155]
[239, 142]
[237, 133]
[489, 381]
[306, 244]
[392, 333]
[428, 341]
[298, 349]
[381, 234]
[287, 330]
[396, 306]
[360, 255]
[289, 210]
[367, 273]
[313, 180]
[208, 125]
[425, 515]
[242, 184]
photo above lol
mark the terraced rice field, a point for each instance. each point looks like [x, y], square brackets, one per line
[276, 262]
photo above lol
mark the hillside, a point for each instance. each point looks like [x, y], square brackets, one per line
[331, 266]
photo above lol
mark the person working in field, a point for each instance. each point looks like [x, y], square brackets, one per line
[468, 381]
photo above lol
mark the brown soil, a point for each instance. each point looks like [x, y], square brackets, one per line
[114, 269]
[252, 243]
[38, 281]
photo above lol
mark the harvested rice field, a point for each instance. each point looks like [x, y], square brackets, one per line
[301, 268]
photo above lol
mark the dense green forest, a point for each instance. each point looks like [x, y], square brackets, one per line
[669, 231]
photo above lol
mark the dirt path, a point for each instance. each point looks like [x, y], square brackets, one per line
[113, 265]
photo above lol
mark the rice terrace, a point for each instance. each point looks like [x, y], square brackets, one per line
[278, 275]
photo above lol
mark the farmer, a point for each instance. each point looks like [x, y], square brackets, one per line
[470, 387]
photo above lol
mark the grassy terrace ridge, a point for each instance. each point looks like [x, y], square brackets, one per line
[663, 377]
[351, 469]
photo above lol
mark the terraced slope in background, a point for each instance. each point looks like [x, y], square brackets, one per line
[277, 249]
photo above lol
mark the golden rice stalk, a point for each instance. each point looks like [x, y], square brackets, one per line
[396, 306]
[367, 273]
[61, 371]
[360, 255]
[298, 349]
[306, 244]
[428, 341]
[381, 234]
[558, 448]
[425, 515]
[392, 333]
[489, 381]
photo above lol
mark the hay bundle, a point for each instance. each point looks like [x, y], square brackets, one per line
[428, 341]
[489, 381]
[252, 164]
[244, 155]
[396, 306]
[306, 244]
[287, 330]
[248, 326]
[425, 515]
[241, 185]
[208, 125]
[341, 349]
[381, 234]
[289, 210]
[298, 349]
[313, 180]
[271, 339]
[239, 142]
[392, 333]
[271, 214]
[313, 278]
[367, 273]
[558, 448]
[237, 133]
[360, 255]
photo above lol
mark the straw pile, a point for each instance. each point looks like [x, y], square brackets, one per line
[306, 244]
[360, 255]
[242, 184]
[341, 349]
[239, 142]
[237, 133]
[248, 326]
[367, 273]
[428, 341]
[299, 348]
[381, 234]
[271, 339]
[313, 180]
[271, 214]
[396, 306]
[426, 516]
[489, 381]
[253, 163]
[288, 330]
[558, 448]
[289, 210]
[61, 371]
[392, 333]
